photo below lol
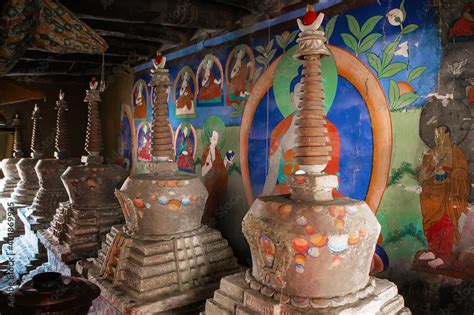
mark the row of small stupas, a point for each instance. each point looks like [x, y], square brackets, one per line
[58, 200]
[304, 260]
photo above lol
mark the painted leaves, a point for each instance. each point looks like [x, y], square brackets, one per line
[330, 27]
[361, 39]
[267, 53]
[285, 39]
[401, 94]
[265, 57]
[383, 66]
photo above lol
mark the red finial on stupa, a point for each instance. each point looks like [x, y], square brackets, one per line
[310, 15]
[159, 61]
[93, 84]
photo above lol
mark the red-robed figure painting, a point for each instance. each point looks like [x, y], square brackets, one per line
[210, 84]
[445, 187]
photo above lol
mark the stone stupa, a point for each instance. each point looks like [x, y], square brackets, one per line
[311, 251]
[52, 191]
[10, 172]
[163, 258]
[28, 185]
[27, 250]
[7, 186]
[80, 224]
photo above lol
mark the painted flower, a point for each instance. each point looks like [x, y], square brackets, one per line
[402, 50]
[395, 17]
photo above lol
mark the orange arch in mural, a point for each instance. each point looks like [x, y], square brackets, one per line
[357, 73]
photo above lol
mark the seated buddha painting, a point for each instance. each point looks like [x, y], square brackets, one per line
[184, 93]
[239, 69]
[210, 81]
[140, 100]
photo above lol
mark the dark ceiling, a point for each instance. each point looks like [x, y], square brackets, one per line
[134, 30]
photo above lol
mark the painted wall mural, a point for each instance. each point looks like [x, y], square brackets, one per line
[232, 110]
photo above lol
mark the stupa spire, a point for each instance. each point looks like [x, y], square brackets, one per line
[312, 150]
[36, 145]
[17, 142]
[62, 140]
[94, 142]
[161, 137]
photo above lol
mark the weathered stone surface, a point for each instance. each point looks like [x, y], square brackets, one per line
[383, 300]
[162, 258]
[52, 190]
[11, 178]
[311, 253]
[28, 185]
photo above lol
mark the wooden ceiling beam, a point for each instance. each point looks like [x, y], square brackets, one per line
[255, 6]
[40, 56]
[146, 32]
[180, 13]
[34, 69]
[136, 49]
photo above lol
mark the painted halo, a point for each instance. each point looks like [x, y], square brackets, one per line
[359, 75]
[457, 116]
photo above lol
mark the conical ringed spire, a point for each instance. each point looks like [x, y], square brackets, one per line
[161, 137]
[94, 144]
[62, 141]
[312, 150]
[36, 145]
[17, 141]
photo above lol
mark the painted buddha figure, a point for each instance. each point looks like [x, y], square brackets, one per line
[210, 86]
[140, 102]
[445, 187]
[238, 76]
[186, 95]
[185, 150]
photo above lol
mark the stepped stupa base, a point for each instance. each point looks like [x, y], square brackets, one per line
[29, 252]
[80, 231]
[16, 228]
[11, 179]
[235, 296]
[162, 275]
[24, 197]
[114, 301]
[7, 187]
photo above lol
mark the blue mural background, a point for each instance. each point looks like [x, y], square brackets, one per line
[406, 91]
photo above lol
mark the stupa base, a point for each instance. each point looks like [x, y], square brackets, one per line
[113, 301]
[11, 226]
[60, 257]
[28, 252]
[24, 196]
[45, 203]
[81, 230]
[52, 191]
[7, 187]
[162, 275]
[11, 179]
[235, 296]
